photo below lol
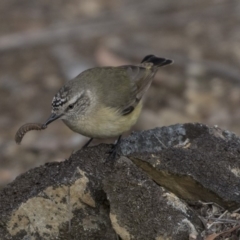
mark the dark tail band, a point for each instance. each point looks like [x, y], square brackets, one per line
[156, 60]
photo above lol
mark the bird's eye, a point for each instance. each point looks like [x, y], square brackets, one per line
[71, 106]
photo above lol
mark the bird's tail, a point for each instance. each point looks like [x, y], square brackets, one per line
[156, 61]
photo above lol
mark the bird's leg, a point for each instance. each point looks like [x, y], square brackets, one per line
[87, 143]
[113, 151]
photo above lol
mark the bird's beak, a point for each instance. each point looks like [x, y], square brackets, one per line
[52, 118]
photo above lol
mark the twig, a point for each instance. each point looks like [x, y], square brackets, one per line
[238, 209]
[224, 220]
[217, 219]
[211, 203]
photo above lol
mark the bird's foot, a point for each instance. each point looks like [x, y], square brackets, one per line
[114, 150]
[112, 153]
[87, 143]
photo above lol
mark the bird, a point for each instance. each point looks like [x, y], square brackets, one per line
[105, 102]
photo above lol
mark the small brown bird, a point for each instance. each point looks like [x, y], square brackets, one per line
[105, 102]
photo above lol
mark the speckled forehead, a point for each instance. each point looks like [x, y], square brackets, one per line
[60, 98]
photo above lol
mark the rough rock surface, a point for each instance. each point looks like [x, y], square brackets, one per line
[135, 197]
[140, 209]
[192, 160]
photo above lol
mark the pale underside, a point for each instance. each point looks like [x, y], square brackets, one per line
[105, 123]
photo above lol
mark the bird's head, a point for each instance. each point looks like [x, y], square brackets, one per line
[69, 104]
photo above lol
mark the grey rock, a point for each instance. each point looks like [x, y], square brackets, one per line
[143, 194]
[140, 209]
[198, 163]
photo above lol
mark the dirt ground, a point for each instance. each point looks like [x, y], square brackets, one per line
[43, 44]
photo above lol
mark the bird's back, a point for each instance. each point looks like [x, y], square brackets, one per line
[121, 87]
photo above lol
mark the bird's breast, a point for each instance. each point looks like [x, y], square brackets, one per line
[105, 122]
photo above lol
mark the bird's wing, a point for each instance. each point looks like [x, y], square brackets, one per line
[128, 83]
[140, 79]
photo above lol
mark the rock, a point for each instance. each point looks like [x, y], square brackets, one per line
[143, 194]
[193, 161]
[58, 200]
[140, 209]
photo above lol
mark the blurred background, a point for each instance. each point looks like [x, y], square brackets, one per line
[45, 43]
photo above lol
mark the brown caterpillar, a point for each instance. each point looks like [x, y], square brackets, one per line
[28, 127]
